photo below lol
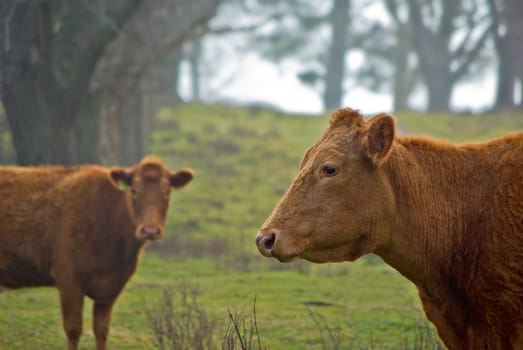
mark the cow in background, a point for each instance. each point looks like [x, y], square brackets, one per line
[73, 228]
[447, 217]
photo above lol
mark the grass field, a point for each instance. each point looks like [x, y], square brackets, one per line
[461, 128]
[244, 160]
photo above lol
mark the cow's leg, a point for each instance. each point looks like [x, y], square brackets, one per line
[101, 319]
[71, 300]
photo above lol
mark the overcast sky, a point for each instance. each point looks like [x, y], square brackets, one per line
[259, 81]
[251, 79]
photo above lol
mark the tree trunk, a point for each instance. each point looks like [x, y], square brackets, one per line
[36, 114]
[41, 131]
[403, 79]
[2, 137]
[173, 87]
[506, 66]
[506, 76]
[132, 141]
[45, 76]
[435, 68]
[130, 60]
[335, 69]
[401, 87]
[164, 80]
[442, 66]
[122, 139]
[513, 13]
[434, 57]
[439, 87]
[6, 148]
[87, 132]
[194, 59]
[110, 132]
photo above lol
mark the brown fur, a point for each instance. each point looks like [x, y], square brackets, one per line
[74, 229]
[448, 217]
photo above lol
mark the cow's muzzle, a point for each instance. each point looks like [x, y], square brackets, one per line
[149, 232]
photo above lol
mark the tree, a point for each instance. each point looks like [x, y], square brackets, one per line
[507, 17]
[155, 32]
[69, 68]
[49, 52]
[294, 31]
[318, 37]
[389, 65]
[296, 25]
[335, 67]
[442, 64]
[405, 75]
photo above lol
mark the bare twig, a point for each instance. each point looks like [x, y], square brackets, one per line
[235, 324]
[256, 322]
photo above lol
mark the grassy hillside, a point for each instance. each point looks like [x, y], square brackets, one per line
[460, 128]
[244, 160]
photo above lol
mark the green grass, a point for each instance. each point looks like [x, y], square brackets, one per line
[244, 160]
[461, 128]
[372, 299]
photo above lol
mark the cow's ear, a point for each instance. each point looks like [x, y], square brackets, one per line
[121, 178]
[378, 141]
[181, 178]
[306, 157]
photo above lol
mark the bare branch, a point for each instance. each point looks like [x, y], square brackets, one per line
[248, 28]
[466, 40]
[450, 12]
[472, 54]
[392, 9]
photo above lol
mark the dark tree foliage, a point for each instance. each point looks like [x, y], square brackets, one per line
[49, 51]
[71, 73]
[157, 31]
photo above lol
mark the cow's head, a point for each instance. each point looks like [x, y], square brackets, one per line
[148, 186]
[340, 204]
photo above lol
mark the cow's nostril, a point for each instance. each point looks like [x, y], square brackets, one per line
[265, 242]
[269, 240]
[150, 231]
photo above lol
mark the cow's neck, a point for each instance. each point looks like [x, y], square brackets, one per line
[123, 238]
[437, 191]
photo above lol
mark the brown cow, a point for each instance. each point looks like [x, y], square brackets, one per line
[447, 217]
[71, 227]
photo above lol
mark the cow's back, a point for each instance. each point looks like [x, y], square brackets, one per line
[505, 205]
[509, 189]
[35, 202]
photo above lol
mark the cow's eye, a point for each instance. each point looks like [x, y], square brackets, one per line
[329, 170]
